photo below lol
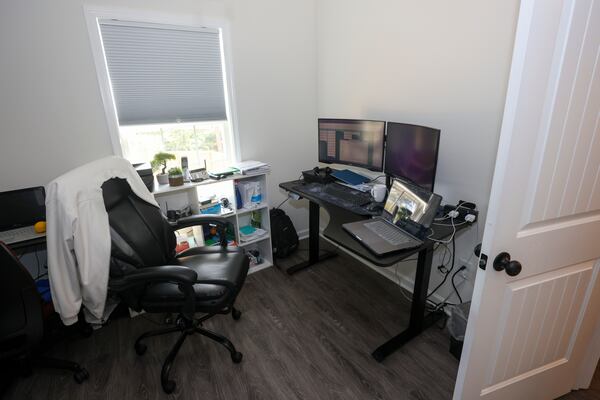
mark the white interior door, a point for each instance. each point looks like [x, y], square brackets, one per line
[528, 334]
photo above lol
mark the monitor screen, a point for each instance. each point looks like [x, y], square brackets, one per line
[411, 152]
[24, 207]
[352, 142]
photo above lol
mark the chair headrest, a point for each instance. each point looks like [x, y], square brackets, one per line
[114, 191]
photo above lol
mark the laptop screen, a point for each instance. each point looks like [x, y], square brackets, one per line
[404, 204]
[24, 207]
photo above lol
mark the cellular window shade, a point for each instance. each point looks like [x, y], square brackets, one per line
[163, 74]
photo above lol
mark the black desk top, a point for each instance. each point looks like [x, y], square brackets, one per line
[315, 193]
[341, 212]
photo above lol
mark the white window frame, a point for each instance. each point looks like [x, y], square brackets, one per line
[95, 14]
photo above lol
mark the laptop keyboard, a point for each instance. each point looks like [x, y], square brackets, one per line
[18, 235]
[389, 233]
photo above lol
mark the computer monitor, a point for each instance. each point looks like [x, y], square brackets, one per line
[352, 142]
[23, 207]
[411, 153]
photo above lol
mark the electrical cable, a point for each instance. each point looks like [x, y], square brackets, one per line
[377, 177]
[460, 300]
[451, 237]
[280, 204]
[449, 271]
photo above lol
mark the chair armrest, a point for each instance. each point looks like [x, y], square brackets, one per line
[196, 220]
[168, 273]
[184, 277]
[208, 219]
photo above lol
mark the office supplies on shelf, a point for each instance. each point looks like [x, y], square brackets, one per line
[222, 173]
[198, 175]
[411, 152]
[402, 222]
[185, 169]
[250, 192]
[349, 177]
[352, 142]
[251, 167]
[248, 233]
[19, 211]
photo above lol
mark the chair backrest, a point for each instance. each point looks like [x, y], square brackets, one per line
[21, 320]
[140, 235]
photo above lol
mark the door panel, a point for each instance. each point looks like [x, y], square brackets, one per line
[529, 317]
[570, 117]
[527, 334]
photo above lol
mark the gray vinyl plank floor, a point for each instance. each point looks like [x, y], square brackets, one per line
[307, 336]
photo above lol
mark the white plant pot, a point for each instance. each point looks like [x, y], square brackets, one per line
[163, 179]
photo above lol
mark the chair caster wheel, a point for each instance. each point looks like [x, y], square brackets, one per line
[169, 386]
[81, 375]
[236, 357]
[140, 348]
[236, 314]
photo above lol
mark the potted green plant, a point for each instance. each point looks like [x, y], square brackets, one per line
[160, 163]
[175, 176]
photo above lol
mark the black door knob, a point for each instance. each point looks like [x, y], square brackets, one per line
[503, 262]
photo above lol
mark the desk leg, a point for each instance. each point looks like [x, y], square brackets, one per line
[417, 311]
[313, 242]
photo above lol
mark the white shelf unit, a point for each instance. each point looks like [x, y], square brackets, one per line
[175, 198]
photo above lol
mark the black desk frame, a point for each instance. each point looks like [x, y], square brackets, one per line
[314, 255]
[334, 232]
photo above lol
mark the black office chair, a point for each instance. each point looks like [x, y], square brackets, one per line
[147, 274]
[22, 323]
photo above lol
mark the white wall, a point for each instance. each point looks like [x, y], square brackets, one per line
[51, 113]
[443, 64]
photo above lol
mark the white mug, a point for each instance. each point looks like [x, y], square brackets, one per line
[378, 192]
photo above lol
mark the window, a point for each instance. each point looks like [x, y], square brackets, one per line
[169, 91]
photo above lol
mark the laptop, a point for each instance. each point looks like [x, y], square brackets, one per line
[407, 214]
[19, 211]
[350, 177]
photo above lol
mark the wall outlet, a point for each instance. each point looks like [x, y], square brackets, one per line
[466, 274]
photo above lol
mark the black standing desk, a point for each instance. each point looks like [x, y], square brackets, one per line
[340, 212]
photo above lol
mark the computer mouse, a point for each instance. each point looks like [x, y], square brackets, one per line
[374, 207]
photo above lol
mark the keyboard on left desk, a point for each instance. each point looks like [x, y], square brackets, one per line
[354, 197]
[19, 235]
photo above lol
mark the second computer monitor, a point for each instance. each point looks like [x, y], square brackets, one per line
[411, 152]
[352, 142]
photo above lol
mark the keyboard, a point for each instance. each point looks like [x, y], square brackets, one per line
[387, 232]
[353, 197]
[19, 235]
